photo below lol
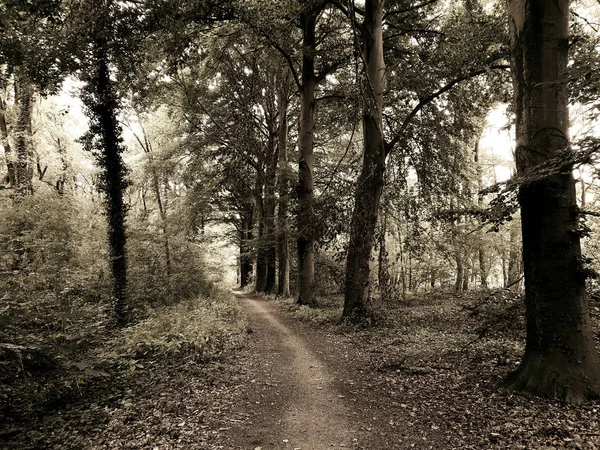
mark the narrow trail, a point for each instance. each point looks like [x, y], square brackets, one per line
[293, 394]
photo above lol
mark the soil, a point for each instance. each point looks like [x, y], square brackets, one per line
[293, 398]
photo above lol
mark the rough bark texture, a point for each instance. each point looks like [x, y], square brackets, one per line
[370, 181]
[306, 243]
[283, 282]
[560, 358]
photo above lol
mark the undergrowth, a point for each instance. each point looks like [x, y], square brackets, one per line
[198, 330]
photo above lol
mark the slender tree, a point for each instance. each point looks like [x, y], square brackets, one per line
[560, 359]
[283, 260]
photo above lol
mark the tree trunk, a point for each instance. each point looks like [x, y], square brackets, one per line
[560, 358]
[484, 264]
[245, 238]
[23, 171]
[383, 275]
[306, 241]
[270, 204]
[104, 139]
[283, 284]
[261, 257]
[514, 257]
[458, 285]
[370, 181]
[4, 140]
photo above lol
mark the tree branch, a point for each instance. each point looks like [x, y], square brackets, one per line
[433, 96]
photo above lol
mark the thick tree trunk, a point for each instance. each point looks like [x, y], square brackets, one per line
[306, 242]
[371, 179]
[560, 358]
[283, 284]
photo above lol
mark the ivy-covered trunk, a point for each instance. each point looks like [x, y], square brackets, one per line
[23, 166]
[560, 358]
[105, 142]
[371, 179]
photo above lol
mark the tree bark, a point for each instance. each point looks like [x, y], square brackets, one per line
[458, 285]
[261, 257]
[514, 256]
[245, 238]
[306, 241]
[560, 359]
[5, 141]
[370, 181]
[269, 204]
[283, 282]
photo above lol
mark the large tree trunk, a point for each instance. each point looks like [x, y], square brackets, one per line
[370, 181]
[283, 284]
[560, 358]
[306, 242]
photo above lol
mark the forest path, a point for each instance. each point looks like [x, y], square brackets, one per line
[292, 397]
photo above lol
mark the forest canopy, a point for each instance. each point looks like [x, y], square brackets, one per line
[370, 152]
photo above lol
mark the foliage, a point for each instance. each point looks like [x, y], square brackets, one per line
[196, 330]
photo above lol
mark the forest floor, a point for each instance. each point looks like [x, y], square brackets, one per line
[424, 376]
[425, 379]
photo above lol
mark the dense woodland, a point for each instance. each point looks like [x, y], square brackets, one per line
[353, 159]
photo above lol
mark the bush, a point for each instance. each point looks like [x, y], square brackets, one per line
[198, 330]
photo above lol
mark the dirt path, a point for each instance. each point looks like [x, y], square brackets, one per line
[292, 402]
